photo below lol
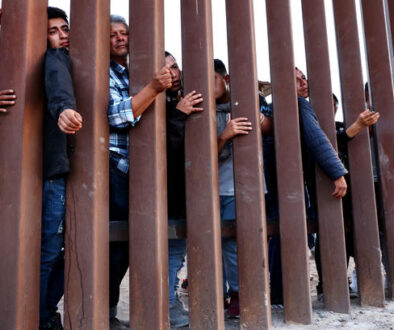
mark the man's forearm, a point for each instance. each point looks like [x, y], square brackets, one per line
[141, 101]
[354, 129]
[221, 142]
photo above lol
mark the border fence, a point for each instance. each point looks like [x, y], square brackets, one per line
[22, 49]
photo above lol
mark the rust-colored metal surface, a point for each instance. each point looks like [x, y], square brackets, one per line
[255, 307]
[22, 48]
[87, 238]
[390, 14]
[148, 171]
[381, 88]
[119, 230]
[365, 228]
[331, 229]
[201, 154]
[297, 297]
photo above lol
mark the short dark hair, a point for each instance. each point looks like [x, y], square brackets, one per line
[220, 67]
[54, 12]
[334, 97]
[166, 54]
[118, 19]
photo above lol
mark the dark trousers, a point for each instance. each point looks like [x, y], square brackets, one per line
[118, 251]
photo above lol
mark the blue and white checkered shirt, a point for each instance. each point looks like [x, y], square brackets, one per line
[120, 114]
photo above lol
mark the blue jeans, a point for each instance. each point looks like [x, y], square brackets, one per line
[52, 242]
[118, 251]
[229, 245]
[176, 255]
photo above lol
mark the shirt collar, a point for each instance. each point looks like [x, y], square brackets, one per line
[117, 67]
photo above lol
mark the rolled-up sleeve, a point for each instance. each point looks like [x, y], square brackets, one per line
[120, 112]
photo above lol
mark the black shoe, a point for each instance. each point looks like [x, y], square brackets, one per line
[54, 323]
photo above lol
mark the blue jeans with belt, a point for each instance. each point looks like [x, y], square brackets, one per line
[52, 243]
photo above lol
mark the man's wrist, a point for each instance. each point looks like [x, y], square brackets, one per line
[153, 91]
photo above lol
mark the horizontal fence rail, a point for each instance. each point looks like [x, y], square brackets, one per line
[89, 233]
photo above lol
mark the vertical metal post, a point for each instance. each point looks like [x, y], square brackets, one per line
[22, 47]
[86, 282]
[295, 267]
[365, 228]
[331, 228]
[390, 14]
[202, 193]
[248, 164]
[381, 88]
[148, 186]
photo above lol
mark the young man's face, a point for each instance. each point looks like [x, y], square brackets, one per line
[220, 87]
[175, 74]
[58, 33]
[302, 84]
[119, 40]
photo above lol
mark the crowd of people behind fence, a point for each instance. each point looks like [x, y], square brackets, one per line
[62, 120]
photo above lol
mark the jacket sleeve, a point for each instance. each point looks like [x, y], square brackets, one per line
[58, 82]
[176, 120]
[342, 137]
[317, 142]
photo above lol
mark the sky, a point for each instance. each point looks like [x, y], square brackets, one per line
[173, 42]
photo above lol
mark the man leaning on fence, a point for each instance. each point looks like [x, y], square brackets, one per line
[316, 149]
[123, 113]
[61, 121]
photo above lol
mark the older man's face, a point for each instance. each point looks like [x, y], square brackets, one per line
[119, 39]
[302, 84]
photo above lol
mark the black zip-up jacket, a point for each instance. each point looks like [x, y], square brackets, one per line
[59, 96]
[176, 120]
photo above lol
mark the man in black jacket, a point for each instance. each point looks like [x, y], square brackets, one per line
[60, 122]
[178, 109]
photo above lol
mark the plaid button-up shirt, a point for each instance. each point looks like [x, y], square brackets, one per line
[120, 114]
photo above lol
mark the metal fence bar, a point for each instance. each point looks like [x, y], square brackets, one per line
[86, 282]
[381, 88]
[201, 155]
[365, 226]
[331, 228]
[148, 184]
[390, 13]
[248, 165]
[22, 47]
[297, 298]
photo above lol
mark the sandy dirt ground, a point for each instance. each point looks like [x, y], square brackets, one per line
[368, 318]
[360, 318]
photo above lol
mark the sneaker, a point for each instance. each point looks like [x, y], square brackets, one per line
[179, 317]
[233, 308]
[54, 323]
[116, 324]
